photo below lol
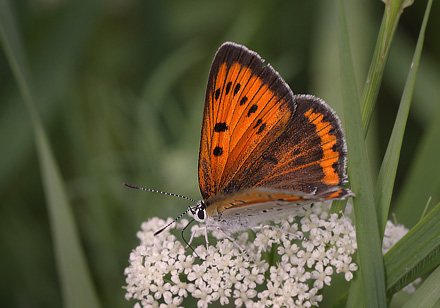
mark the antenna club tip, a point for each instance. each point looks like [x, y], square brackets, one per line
[130, 186]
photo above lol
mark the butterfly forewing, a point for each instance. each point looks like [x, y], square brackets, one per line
[247, 106]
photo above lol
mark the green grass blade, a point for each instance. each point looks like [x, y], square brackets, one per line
[390, 20]
[76, 284]
[416, 254]
[426, 295]
[387, 174]
[371, 277]
[65, 38]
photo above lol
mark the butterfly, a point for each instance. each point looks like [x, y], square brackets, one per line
[264, 152]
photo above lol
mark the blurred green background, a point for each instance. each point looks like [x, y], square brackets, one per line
[120, 88]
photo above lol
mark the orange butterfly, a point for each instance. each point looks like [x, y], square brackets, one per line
[263, 150]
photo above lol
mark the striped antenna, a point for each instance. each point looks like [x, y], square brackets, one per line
[160, 192]
[176, 219]
[167, 194]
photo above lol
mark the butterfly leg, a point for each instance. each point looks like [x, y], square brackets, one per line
[206, 239]
[188, 244]
[193, 234]
[296, 236]
[234, 242]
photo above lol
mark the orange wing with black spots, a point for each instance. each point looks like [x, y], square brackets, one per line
[309, 155]
[246, 106]
[256, 133]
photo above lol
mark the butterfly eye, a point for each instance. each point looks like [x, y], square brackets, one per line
[201, 214]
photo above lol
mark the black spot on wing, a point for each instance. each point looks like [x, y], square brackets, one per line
[252, 110]
[237, 88]
[228, 87]
[217, 151]
[262, 127]
[220, 127]
[258, 123]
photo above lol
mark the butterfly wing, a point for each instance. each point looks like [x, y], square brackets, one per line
[250, 207]
[309, 156]
[256, 133]
[246, 107]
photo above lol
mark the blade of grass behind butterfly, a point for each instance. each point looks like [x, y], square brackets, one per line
[368, 288]
[387, 173]
[390, 20]
[67, 42]
[76, 285]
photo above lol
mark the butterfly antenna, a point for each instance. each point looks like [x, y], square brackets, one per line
[160, 192]
[175, 219]
[167, 194]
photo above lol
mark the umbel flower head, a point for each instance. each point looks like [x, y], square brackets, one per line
[280, 271]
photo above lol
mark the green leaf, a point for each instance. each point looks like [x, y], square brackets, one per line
[426, 295]
[390, 20]
[76, 285]
[387, 174]
[371, 277]
[416, 254]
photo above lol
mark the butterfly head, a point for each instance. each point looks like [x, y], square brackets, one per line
[198, 212]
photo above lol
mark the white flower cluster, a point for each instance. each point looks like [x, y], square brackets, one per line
[393, 233]
[280, 271]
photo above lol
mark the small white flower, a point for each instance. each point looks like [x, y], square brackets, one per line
[204, 295]
[264, 240]
[179, 288]
[322, 275]
[243, 295]
[223, 293]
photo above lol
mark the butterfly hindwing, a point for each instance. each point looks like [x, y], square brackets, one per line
[309, 156]
[247, 106]
[258, 202]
